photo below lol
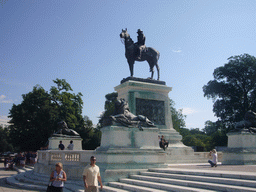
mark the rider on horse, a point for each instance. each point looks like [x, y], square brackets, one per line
[140, 44]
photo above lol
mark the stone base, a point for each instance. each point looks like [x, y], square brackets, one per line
[123, 150]
[173, 137]
[126, 150]
[55, 141]
[124, 137]
[241, 149]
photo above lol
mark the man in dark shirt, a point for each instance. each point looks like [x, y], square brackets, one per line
[163, 143]
[61, 146]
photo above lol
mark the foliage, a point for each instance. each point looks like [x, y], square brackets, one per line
[195, 137]
[178, 119]
[233, 89]
[109, 108]
[91, 136]
[36, 118]
[4, 140]
[211, 136]
[210, 127]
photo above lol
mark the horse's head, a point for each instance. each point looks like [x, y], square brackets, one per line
[124, 34]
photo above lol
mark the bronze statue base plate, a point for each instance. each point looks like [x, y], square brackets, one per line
[148, 80]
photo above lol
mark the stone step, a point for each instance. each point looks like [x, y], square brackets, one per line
[21, 178]
[37, 177]
[36, 186]
[210, 173]
[112, 189]
[131, 187]
[29, 180]
[29, 166]
[73, 187]
[13, 182]
[154, 186]
[228, 181]
[195, 184]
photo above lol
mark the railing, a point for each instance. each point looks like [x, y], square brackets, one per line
[72, 157]
[55, 156]
[65, 157]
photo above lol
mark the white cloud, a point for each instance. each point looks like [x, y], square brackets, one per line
[177, 51]
[187, 111]
[4, 119]
[3, 100]
[101, 113]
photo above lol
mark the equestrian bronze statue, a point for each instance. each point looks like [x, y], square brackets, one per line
[139, 52]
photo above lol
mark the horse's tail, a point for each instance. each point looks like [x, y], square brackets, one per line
[158, 55]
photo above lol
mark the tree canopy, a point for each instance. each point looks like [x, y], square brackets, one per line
[35, 119]
[4, 140]
[233, 89]
[178, 119]
[109, 108]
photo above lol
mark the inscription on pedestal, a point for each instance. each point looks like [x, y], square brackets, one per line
[152, 109]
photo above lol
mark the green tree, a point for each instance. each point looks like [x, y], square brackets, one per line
[210, 127]
[4, 140]
[91, 136]
[178, 119]
[233, 89]
[36, 118]
[198, 138]
[109, 108]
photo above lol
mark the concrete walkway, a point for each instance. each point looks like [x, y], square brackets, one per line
[4, 187]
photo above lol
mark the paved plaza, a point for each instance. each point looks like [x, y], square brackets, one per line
[4, 187]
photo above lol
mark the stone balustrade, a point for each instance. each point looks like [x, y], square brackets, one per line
[66, 157]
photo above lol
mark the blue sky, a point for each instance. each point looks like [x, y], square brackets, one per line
[79, 41]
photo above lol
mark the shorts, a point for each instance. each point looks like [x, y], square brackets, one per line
[92, 189]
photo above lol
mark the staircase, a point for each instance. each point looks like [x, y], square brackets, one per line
[154, 180]
[159, 180]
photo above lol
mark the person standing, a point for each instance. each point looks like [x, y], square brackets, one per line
[214, 156]
[71, 145]
[58, 177]
[61, 146]
[91, 176]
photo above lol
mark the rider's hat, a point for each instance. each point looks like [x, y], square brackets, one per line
[139, 31]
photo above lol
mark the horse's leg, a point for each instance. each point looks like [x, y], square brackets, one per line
[131, 63]
[158, 71]
[152, 73]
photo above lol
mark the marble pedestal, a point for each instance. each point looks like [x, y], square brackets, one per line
[150, 98]
[126, 150]
[55, 141]
[241, 149]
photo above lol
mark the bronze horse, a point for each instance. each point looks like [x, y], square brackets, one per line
[150, 54]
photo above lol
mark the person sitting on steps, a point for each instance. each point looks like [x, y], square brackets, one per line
[163, 143]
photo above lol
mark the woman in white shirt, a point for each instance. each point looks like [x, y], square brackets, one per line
[214, 156]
